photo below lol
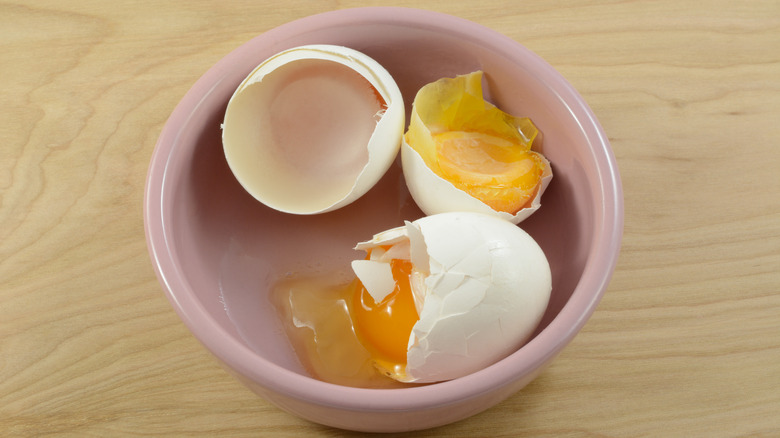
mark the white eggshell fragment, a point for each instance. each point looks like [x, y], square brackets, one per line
[313, 128]
[376, 276]
[481, 285]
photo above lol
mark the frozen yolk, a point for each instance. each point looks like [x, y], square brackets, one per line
[494, 170]
[384, 328]
[474, 145]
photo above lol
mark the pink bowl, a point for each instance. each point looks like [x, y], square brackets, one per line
[215, 248]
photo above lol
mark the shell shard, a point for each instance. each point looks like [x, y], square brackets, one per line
[376, 276]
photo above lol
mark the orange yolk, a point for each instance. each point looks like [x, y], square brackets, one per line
[474, 145]
[494, 170]
[384, 328]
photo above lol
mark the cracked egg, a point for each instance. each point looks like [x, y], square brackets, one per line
[447, 295]
[462, 153]
[313, 128]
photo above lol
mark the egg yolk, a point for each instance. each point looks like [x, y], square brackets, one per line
[474, 145]
[489, 168]
[384, 328]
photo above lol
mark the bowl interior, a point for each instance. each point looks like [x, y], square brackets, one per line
[228, 248]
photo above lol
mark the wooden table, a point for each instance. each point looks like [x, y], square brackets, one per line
[686, 341]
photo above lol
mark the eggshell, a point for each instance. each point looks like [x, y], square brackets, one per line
[305, 133]
[377, 277]
[483, 285]
[440, 112]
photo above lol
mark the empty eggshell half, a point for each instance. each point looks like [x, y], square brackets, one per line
[456, 104]
[313, 128]
[481, 286]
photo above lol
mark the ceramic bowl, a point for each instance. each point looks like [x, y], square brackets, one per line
[215, 248]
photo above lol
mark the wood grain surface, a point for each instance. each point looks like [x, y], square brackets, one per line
[686, 341]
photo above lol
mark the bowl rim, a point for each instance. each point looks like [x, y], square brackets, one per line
[597, 271]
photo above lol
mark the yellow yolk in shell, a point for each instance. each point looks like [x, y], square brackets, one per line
[489, 168]
[384, 328]
[480, 149]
